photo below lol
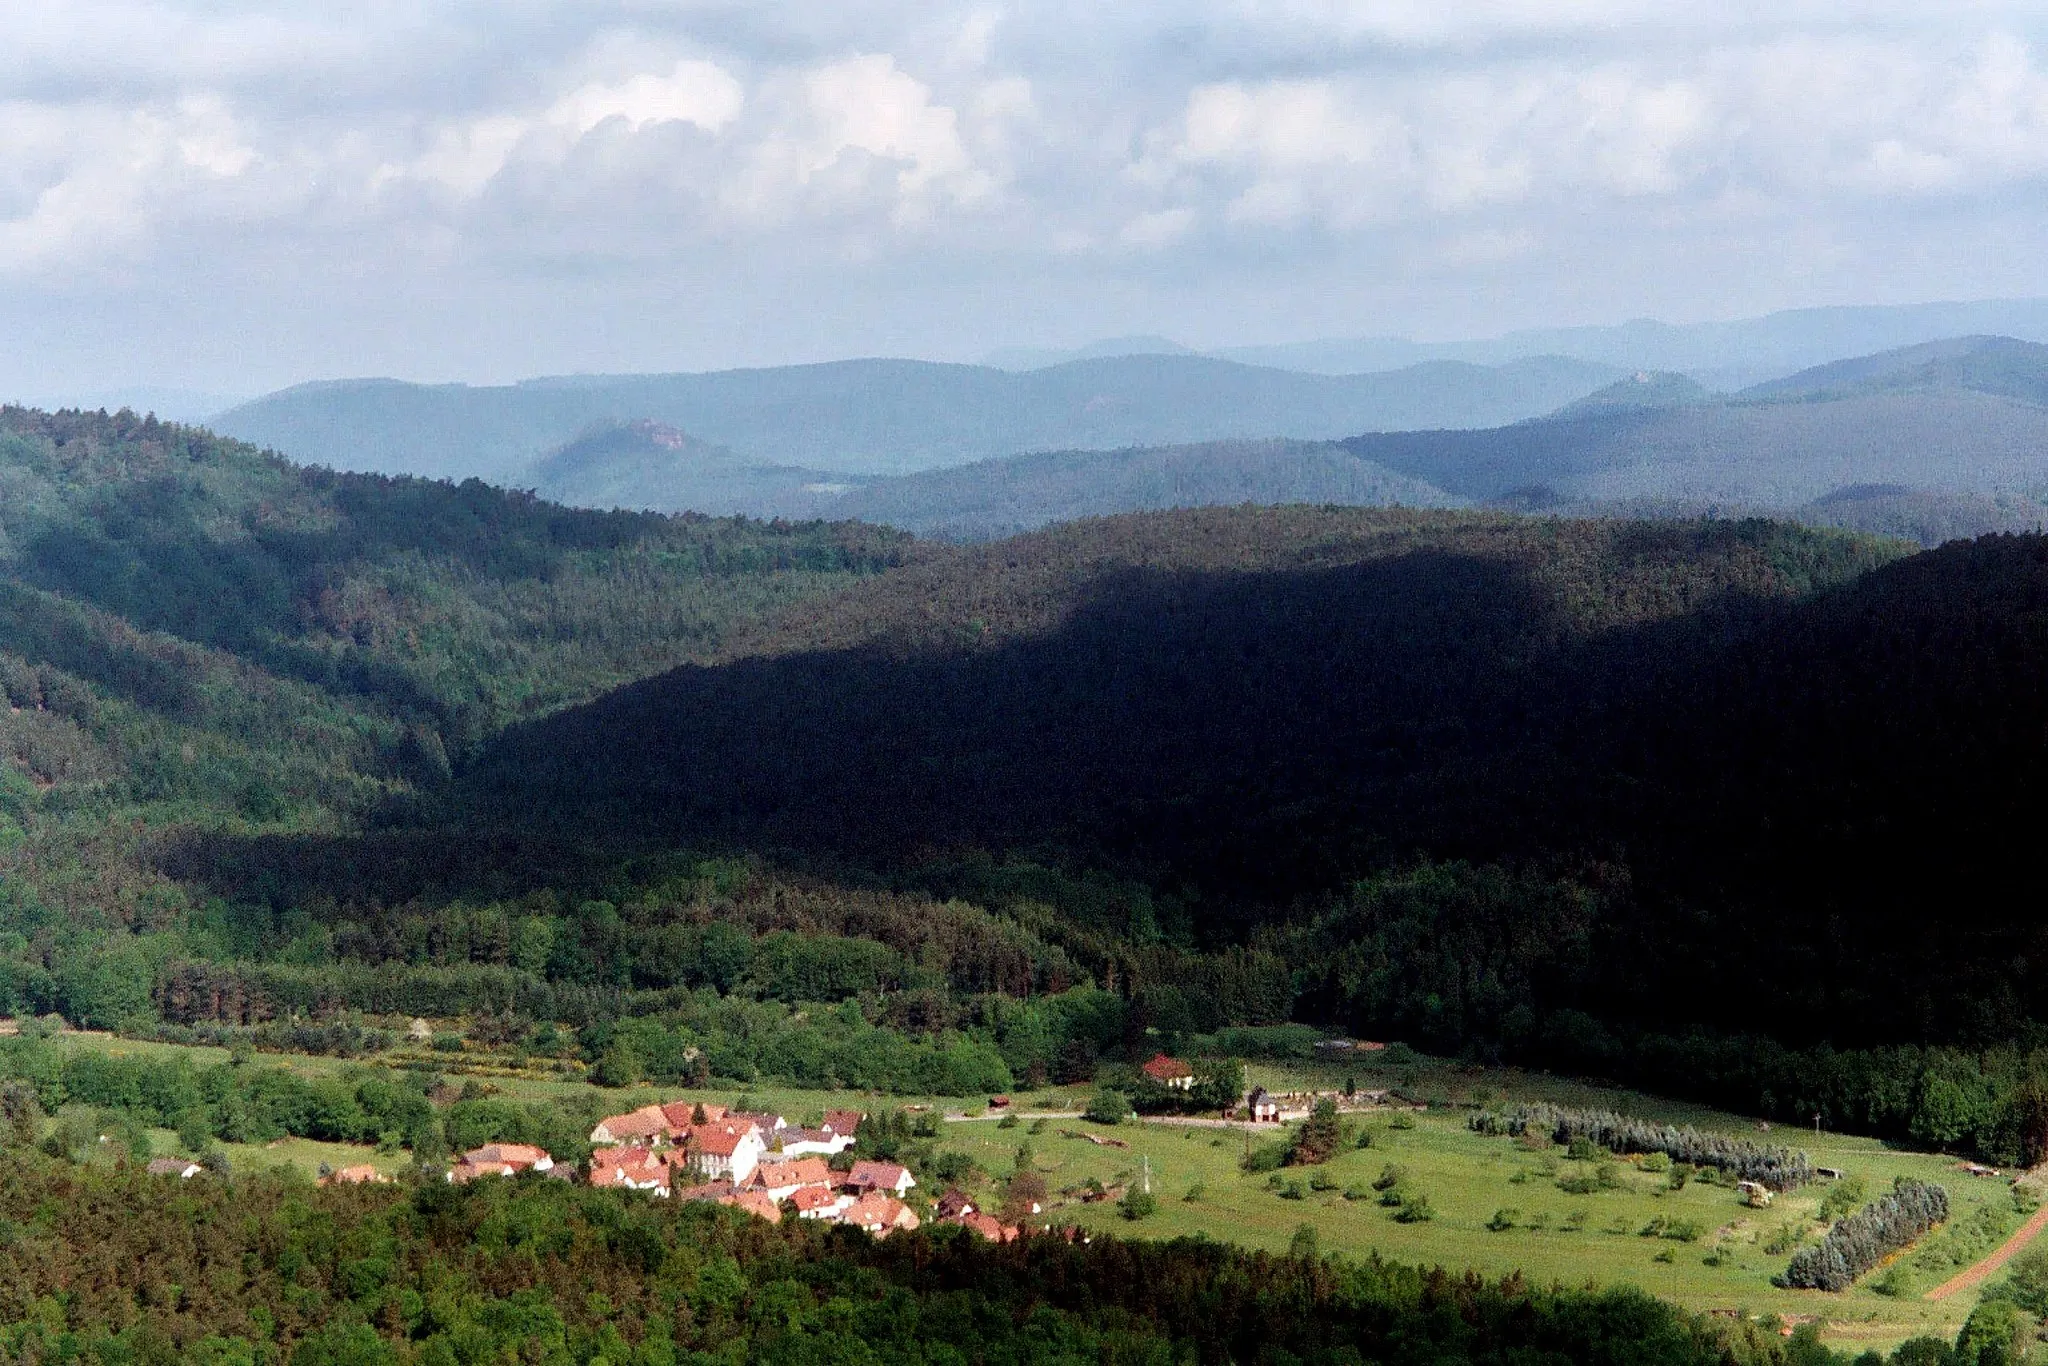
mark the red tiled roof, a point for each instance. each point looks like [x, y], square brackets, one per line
[648, 1121]
[989, 1227]
[1164, 1068]
[756, 1204]
[879, 1213]
[808, 1198]
[710, 1190]
[804, 1171]
[509, 1154]
[719, 1140]
[681, 1113]
[843, 1121]
[612, 1166]
[875, 1175]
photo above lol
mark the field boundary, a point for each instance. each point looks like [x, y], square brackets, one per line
[2007, 1250]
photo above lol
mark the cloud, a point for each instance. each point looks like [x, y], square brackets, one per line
[1039, 162]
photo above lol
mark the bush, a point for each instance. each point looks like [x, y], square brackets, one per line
[1414, 1210]
[1504, 1219]
[1862, 1240]
[1267, 1157]
[1390, 1176]
[1139, 1205]
[1292, 1191]
[2026, 1283]
[1107, 1107]
[1842, 1198]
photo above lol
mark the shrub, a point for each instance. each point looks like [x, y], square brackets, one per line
[1414, 1210]
[1389, 1177]
[2026, 1284]
[1862, 1240]
[1196, 1194]
[1139, 1205]
[1267, 1157]
[1585, 1130]
[1356, 1191]
[1504, 1219]
[1321, 1181]
[1584, 1183]
[1107, 1107]
[1843, 1197]
[1293, 1191]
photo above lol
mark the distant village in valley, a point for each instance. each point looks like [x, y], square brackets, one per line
[762, 1164]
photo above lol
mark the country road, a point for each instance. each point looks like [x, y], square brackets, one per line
[2011, 1248]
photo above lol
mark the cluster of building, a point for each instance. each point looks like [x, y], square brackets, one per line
[756, 1162]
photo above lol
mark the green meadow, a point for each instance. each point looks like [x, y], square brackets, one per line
[1495, 1205]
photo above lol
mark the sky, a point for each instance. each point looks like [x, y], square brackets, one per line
[230, 196]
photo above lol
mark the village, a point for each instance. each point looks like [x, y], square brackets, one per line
[763, 1165]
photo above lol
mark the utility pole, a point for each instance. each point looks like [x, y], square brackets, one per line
[1148, 1175]
[1816, 1125]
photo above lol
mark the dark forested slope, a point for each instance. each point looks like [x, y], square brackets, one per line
[1765, 759]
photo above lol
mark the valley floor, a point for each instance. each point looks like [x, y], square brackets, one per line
[1497, 1207]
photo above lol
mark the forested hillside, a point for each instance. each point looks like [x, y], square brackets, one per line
[1475, 778]
[195, 635]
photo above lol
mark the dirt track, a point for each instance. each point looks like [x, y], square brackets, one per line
[2011, 1248]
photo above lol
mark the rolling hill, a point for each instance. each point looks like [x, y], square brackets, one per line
[647, 466]
[995, 498]
[1713, 766]
[886, 416]
[1956, 429]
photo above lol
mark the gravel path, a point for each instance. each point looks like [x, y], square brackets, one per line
[1977, 1274]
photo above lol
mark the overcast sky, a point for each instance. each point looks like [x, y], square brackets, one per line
[232, 195]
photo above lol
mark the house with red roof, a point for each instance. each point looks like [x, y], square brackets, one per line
[500, 1159]
[756, 1204]
[647, 1126]
[813, 1203]
[780, 1180]
[681, 1114]
[1170, 1072]
[631, 1167]
[989, 1227]
[879, 1215]
[725, 1151]
[845, 1122]
[868, 1177]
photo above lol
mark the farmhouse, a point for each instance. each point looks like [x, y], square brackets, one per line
[726, 1151]
[795, 1142]
[880, 1215]
[814, 1203]
[631, 1168]
[649, 1126]
[780, 1180]
[989, 1227]
[1170, 1072]
[754, 1203]
[868, 1177]
[954, 1205]
[1262, 1107]
[845, 1122]
[500, 1159]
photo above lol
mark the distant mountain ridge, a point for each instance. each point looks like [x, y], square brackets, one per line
[888, 416]
[995, 498]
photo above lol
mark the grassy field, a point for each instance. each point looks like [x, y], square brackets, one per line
[1497, 1205]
